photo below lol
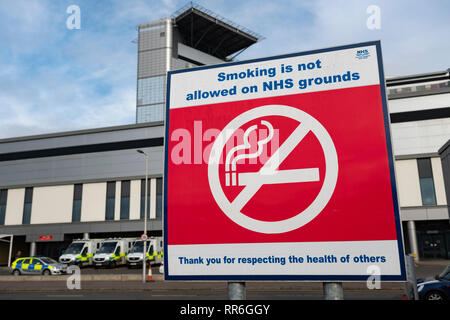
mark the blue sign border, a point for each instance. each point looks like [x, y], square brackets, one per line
[401, 277]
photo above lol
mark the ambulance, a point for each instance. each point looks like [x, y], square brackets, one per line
[80, 252]
[153, 255]
[113, 252]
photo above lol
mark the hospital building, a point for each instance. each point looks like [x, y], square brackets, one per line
[57, 187]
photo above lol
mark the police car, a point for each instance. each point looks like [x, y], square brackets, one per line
[37, 265]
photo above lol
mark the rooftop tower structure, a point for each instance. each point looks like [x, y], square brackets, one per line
[193, 36]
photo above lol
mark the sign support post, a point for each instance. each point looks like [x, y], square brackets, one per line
[10, 250]
[333, 291]
[236, 291]
[145, 216]
[411, 283]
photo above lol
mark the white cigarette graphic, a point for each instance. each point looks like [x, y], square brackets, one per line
[230, 174]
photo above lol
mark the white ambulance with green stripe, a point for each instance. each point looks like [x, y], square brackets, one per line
[154, 253]
[113, 252]
[36, 265]
[81, 252]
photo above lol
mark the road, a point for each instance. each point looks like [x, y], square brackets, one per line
[90, 270]
[424, 269]
[177, 290]
[189, 295]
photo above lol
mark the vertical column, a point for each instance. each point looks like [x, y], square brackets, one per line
[153, 198]
[86, 236]
[169, 44]
[333, 291]
[10, 250]
[413, 239]
[411, 282]
[236, 291]
[117, 200]
[32, 249]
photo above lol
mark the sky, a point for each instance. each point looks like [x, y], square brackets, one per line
[53, 78]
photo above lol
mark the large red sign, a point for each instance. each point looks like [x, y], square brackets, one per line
[304, 171]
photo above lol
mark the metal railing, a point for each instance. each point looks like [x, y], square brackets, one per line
[214, 15]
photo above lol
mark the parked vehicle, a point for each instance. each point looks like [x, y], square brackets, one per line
[153, 255]
[113, 252]
[37, 265]
[81, 252]
[437, 288]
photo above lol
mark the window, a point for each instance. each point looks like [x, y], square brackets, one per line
[426, 182]
[151, 113]
[26, 218]
[3, 197]
[26, 261]
[125, 200]
[76, 209]
[151, 90]
[47, 260]
[159, 198]
[156, 27]
[143, 198]
[110, 200]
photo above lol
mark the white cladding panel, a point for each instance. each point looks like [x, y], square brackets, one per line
[14, 206]
[408, 183]
[52, 204]
[93, 204]
[152, 198]
[117, 201]
[438, 178]
[135, 199]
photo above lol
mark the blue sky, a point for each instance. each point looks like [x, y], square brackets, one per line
[54, 79]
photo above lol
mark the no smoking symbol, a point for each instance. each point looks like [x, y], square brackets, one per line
[269, 173]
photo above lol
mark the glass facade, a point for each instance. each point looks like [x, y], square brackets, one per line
[150, 99]
[151, 90]
[110, 200]
[3, 197]
[125, 200]
[420, 88]
[76, 209]
[152, 69]
[426, 182]
[150, 113]
[26, 218]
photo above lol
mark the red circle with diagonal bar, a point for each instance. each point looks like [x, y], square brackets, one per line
[270, 174]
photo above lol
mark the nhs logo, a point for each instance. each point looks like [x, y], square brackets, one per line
[362, 54]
